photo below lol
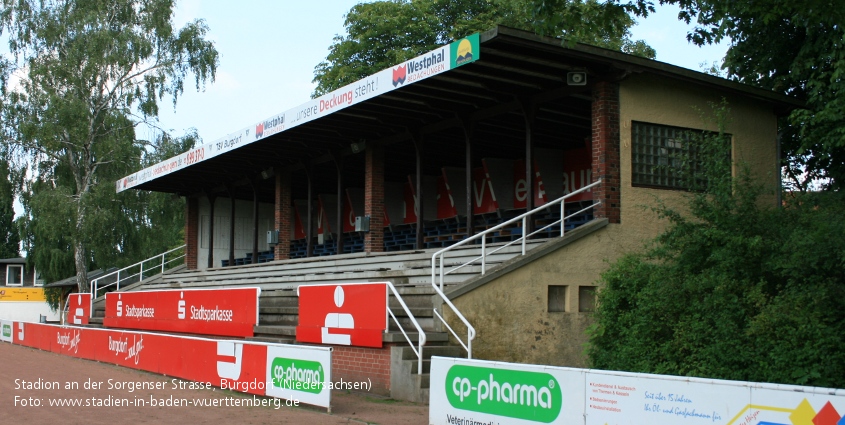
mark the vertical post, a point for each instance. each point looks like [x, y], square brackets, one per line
[141, 273]
[309, 243]
[191, 232]
[418, 149]
[605, 141]
[254, 221]
[524, 235]
[283, 213]
[374, 197]
[483, 254]
[468, 129]
[232, 228]
[528, 110]
[338, 161]
[211, 199]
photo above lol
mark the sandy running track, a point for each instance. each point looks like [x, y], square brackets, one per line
[19, 364]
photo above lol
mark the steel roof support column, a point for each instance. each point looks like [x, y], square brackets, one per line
[254, 184]
[283, 213]
[211, 199]
[418, 149]
[469, 127]
[338, 162]
[374, 197]
[309, 233]
[231, 227]
[191, 232]
[529, 109]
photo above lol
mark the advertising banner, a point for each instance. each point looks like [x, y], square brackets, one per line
[483, 198]
[248, 367]
[224, 312]
[78, 308]
[473, 391]
[445, 202]
[22, 294]
[6, 329]
[348, 214]
[577, 173]
[303, 373]
[342, 314]
[520, 194]
[435, 62]
[410, 203]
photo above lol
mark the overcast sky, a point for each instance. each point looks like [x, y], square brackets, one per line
[268, 51]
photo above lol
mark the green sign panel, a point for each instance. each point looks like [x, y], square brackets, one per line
[297, 374]
[465, 50]
[531, 396]
[7, 331]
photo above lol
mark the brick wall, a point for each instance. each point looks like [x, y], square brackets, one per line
[360, 364]
[191, 232]
[605, 140]
[283, 213]
[374, 198]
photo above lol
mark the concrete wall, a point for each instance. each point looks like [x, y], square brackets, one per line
[510, 313]
[27, 311]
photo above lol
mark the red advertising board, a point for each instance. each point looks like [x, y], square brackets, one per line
[577, 173]
[521, 188]
[298, 228]
[227, 364]
[445, 201]
[225, 312]
[343, 314]
[78, 309]
[323, 227]
[483, 199]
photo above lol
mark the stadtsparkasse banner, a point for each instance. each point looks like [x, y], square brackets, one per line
[79, 308]
[223, 312]
[435, 62]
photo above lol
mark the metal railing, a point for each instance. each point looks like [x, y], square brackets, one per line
[483, 257]
[157, 264]
[421, 340]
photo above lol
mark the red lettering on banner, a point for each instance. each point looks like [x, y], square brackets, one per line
[445, 201]
[577, 173]
[521, 188]
[225, 312]
[483, 197]
[348, 214]
[410, 205]
[234, 365]
[79, 309]
[343, 314]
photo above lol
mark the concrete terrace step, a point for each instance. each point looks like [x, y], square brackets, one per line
[263, 331]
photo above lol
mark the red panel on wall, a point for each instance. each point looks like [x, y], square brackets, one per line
[343, 314]
[483, 198]
[348, 214]
[298, 228]
[445, 201]
[410, 203]
[79, 309]
[577, 173]
[227, 312]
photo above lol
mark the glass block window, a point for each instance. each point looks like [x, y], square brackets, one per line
[658, 153]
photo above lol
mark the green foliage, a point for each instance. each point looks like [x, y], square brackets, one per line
[731, 290]
[88, 72]
[9, 237]
[384, 33]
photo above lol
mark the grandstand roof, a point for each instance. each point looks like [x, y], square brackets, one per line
[426, 97]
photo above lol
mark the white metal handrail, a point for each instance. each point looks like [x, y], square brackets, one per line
[483, 257]
[421, 340]
[95, 283]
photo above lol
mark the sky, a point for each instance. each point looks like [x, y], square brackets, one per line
[268, 51]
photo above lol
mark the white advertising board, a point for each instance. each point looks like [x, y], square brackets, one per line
[6, 329]
[300, 373]
[473, 391]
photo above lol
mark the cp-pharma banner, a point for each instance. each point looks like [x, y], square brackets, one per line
[435, 62]
[6, 329]
[297, 373]
[225, 312]
[472, 391]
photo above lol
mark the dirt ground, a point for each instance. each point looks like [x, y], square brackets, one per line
[19, 364]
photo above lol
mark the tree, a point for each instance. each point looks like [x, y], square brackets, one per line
[384, 33]
[734, 290]
[10, 243]
[89, 71]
